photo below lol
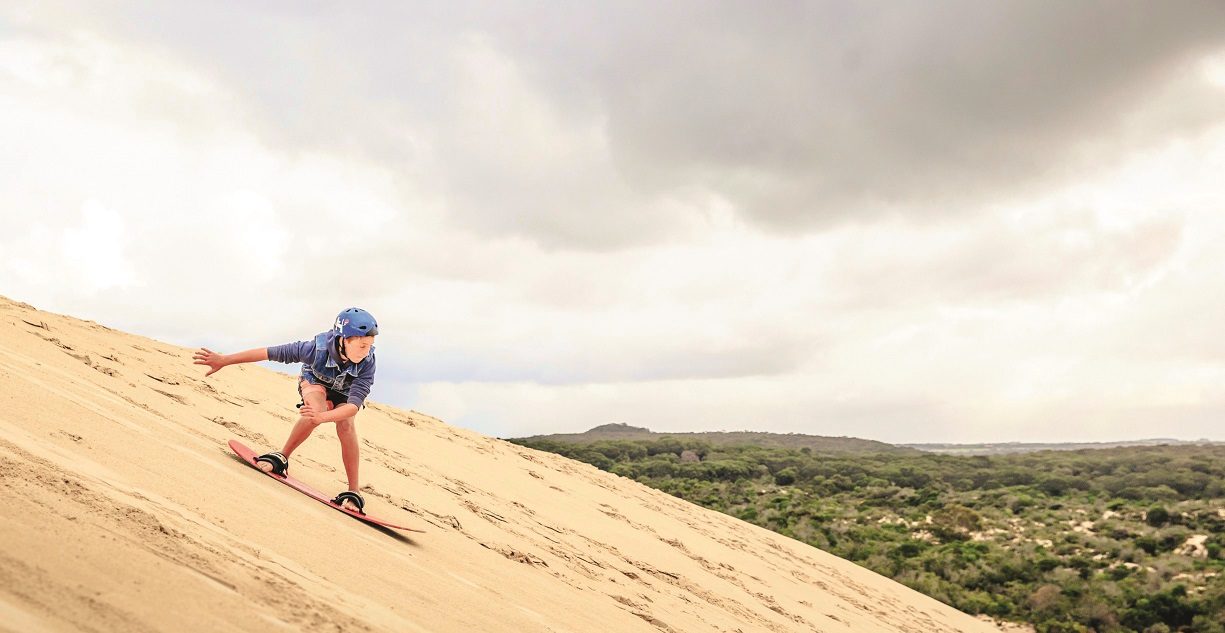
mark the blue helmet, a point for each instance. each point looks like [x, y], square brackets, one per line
[355, 322]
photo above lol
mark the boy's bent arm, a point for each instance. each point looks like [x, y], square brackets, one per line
[342, 412]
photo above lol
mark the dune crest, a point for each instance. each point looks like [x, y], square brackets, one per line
[125, 510]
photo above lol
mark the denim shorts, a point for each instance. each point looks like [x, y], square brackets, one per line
[334, 398]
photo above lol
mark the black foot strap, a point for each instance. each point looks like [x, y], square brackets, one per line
[355, 497]
[280, 463]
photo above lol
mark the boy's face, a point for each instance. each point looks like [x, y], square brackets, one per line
[357, 348]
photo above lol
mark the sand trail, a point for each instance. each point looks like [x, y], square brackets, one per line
[126, 511]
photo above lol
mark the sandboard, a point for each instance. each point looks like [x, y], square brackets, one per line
[249, 456]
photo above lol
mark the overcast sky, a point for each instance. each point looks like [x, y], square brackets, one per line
[910, 222]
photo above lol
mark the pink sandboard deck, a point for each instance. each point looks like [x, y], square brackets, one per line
[249, 456]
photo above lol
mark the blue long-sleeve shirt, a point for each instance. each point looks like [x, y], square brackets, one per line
[322, 365]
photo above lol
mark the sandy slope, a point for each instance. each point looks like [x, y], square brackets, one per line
[125, 511]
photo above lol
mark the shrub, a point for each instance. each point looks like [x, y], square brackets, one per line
[955, 522]
[785, 477]
[1157, 516]
[1165, 607]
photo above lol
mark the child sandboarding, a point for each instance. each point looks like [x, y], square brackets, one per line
[337, 375]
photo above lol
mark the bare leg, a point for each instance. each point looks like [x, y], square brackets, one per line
[297, 435]
[301, 430]
[346, 430]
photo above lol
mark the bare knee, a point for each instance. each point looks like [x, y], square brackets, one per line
[317, 402]
[312, 422]
[345, 426]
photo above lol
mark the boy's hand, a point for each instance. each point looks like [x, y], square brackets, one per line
[311, 414]
[208, 357]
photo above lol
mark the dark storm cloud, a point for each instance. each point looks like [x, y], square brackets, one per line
[806, 112]
[799, 114]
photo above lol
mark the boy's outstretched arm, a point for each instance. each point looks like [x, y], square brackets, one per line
[216, 361]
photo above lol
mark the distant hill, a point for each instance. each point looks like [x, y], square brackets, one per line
[1007, 448]
[816, 443]
[821, 443]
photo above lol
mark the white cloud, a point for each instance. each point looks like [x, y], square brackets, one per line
[184, 209]
[1213, 69]
[1067, 316]
[94, 250]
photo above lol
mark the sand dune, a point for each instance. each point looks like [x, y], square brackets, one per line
[125, 511]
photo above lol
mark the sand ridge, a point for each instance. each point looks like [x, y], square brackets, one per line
[126, 511]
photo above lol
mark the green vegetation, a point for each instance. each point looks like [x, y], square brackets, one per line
[1125, 539]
